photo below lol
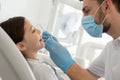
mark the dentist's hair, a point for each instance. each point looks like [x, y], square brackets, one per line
[115, 2]
[100, 1]
[14, 27]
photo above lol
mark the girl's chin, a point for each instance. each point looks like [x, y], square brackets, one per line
[42, 46]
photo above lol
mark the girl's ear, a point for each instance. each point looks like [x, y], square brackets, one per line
[21, 46]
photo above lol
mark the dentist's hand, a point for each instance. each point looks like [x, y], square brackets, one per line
[58, 53]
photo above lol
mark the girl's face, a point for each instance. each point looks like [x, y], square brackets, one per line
[32, 38]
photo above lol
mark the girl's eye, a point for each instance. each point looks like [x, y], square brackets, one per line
[33, 30]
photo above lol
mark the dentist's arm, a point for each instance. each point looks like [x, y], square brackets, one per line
[63, 59]
[75, 72]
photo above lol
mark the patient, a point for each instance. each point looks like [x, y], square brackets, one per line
[28, 40]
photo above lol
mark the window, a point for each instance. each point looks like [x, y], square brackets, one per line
[67, 27]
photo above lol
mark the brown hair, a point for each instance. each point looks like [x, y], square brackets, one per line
[115, 2]
[14, 27]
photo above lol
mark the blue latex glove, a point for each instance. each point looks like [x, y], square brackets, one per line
[58, 53]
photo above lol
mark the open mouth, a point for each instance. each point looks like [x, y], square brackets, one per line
[41, 39]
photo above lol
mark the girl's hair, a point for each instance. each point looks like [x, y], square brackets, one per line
[14, 27]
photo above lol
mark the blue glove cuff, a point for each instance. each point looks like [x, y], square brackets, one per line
[64, 68]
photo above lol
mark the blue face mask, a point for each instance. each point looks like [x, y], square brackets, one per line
[91, 27]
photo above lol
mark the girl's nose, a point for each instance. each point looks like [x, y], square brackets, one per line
[38, 31]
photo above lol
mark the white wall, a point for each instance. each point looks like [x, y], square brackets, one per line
[37, 11]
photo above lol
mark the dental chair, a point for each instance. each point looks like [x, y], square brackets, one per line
[13, 66]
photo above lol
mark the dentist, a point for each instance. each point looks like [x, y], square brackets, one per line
[100, 16]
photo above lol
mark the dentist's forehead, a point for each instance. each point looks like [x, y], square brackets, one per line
[89, 6]
[90, 3]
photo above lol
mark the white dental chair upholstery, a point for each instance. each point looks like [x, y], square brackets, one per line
[13, 66]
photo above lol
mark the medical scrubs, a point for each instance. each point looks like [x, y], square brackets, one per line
[107, 65]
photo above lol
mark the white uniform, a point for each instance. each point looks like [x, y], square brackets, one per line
[108, 63]
[42, 71]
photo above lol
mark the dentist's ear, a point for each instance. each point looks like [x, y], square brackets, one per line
[108, 6]
[21, 46]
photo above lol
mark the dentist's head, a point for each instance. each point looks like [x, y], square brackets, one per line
[101, 16]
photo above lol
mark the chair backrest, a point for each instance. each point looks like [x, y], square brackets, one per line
[13, 65]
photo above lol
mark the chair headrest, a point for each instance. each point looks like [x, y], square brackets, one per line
[14, 57]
